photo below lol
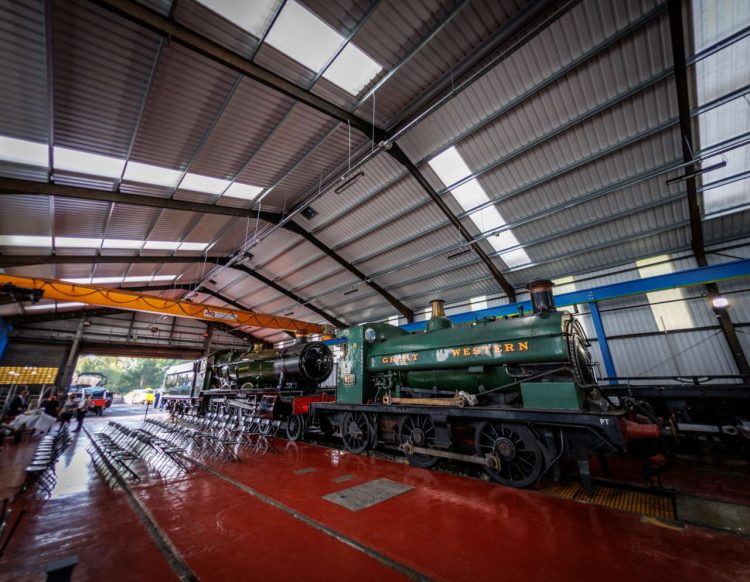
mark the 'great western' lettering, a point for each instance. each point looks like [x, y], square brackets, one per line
[460, 352]
[489, 349]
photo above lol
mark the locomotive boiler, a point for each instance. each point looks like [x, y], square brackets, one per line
[297, 369]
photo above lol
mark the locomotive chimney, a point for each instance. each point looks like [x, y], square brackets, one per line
[542, 301]
[300, 338]
[438, 308]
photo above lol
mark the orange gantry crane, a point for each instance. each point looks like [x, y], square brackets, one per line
[130, 300]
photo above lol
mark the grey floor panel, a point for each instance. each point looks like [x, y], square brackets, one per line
[367, 494]
[719, 514]
[343, 478]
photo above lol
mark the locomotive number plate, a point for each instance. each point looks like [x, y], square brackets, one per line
[349, 379]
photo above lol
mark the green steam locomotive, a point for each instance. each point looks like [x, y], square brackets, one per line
[515, 396]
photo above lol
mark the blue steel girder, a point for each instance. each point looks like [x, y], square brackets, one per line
[698, 276]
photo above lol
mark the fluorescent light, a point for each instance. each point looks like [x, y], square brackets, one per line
[121, 279]
[20, 240]
[352, 70]
[245, 191]
[59, 305]
[148, 174]
[160, 245]
[86, 163]
[21, 151]
[121, 243]
[193, 246]
[77, 243]
[250, 16]
[199, 183]
[301, 35]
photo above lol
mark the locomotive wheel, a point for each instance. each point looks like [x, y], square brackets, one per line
[296, 427]
[355, 431]
[420, 431]
[518, 450]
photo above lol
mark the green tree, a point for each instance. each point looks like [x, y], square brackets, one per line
[125, 374]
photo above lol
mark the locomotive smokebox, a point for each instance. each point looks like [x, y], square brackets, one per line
[542, 300]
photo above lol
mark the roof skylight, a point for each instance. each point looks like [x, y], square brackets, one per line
[303, 36]
[22, 240]
[245, 191]
[160, 245]
[250, 16]
[121, 243]
[352, 70]
[148, 174]
[193, 246]
[77, 243]
[300, 34]
[206, 184]
[86, 163]
[450, 168]
[21, 151]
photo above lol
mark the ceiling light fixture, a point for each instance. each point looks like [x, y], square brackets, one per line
[459, 254]
[720, 302]
[352, 291]
[348, 182]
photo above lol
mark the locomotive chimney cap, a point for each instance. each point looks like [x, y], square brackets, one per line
[540, 285]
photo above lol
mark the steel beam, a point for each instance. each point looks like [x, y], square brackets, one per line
[17, 320]
[402, 308]
[401, 156]
[293, 296]
[697, 241]
[689, 277]
[686, 130]
[10, 186]
[20, 320]
[163, 26]
[7, 261]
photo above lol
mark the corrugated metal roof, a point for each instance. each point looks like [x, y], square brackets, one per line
[195, 16]
[23, 69]
[581, 28]
[252, 114]
[101, 69]
[186, 94]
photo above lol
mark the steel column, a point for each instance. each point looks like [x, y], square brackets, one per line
[601, 336]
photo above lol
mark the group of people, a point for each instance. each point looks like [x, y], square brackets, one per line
[64, 411]
[71, 407]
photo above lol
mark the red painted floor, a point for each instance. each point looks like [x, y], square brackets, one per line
[446, 528]
[83, 517]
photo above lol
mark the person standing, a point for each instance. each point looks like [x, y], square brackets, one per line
[81, 411]
[19, 404]
[68, 409]
[51, 405]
